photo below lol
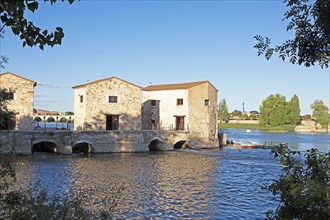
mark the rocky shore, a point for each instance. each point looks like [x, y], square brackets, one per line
[310, 126]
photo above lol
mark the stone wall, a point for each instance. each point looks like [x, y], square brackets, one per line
[79, 107]
[22, 105]
[97, 106]
[203, 119]
[21, 142]
[167, 107]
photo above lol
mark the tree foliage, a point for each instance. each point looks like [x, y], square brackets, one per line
[311, 42]
[13, 16]
[321, 113]
[236, 113]
[304, 187]
[3, 108]
[294, 110]
[223, 111]
[274, 111]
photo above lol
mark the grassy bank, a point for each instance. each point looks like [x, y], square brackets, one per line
[281, 128]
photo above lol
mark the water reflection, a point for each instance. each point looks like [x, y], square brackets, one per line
[206, 184]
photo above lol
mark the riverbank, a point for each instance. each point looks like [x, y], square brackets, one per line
[281, 128]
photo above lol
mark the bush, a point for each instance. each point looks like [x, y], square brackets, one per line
[304, 188]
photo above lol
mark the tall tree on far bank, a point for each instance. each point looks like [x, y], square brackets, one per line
[311, 42]
[321, 113]
[274, 111]
[294, 110]
[223, 111]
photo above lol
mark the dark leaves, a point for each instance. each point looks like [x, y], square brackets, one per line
[311, 43]
[12, 15]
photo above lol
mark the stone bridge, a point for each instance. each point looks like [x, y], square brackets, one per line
[68, 142]
[53, 118]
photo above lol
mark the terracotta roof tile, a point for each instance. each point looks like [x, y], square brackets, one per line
[174, 86]
[35, 83]
[101, 80]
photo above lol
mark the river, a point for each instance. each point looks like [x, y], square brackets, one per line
[184, 184]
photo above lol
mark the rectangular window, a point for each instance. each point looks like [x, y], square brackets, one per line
[113, 99]
[179, 102]
[10, 95]
[153, 102]
[81, 98]
[207, 102]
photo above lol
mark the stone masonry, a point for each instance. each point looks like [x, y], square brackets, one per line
[92, 104]
[21, 106]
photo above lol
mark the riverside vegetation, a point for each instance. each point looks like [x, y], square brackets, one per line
[276, 115]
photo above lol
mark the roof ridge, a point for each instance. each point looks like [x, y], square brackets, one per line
[13, 74]
[104, 79]
[185, 85]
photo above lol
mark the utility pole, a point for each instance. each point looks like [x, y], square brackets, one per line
[243, 108]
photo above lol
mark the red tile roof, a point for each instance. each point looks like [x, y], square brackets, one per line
[174, 86]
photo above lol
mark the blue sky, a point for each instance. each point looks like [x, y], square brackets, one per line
[164, 42]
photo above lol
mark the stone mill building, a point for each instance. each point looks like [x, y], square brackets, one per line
[185, 106]
[19, 93]
[107, 104]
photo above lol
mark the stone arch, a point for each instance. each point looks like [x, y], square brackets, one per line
[82, 147]
[63, 119]
[182, 144]
[155, 144]
[38, 119]
[44, 146]
[50, 119]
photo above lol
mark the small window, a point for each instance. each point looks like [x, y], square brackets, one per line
[81, 98]
[207, 102]
[153, 102]
[10, 95]
[179, 102]
[113, 99]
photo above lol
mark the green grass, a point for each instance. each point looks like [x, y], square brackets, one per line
[281, 128]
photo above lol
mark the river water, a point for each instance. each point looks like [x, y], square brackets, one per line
[184, 184]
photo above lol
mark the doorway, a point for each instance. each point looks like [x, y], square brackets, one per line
[179, 122]
[112, 122]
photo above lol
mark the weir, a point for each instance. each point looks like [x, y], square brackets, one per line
[68, 142]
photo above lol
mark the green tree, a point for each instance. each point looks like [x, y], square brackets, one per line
[253, 116]
[236, 113]
[274, 111]
[311, 42]
[223, 111]
[294, 110]
[321, 113]
[304, 187]
[3, 108]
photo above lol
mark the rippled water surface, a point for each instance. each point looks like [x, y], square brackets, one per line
[203, 184]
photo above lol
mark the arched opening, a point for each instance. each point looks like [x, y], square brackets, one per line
[82, 148]
[181, 145]
[50, 119]
[155, 145]
[45, 146]
[63, 120]
[37, 119]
